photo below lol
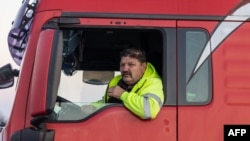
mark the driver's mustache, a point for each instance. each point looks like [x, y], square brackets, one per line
[125, 73]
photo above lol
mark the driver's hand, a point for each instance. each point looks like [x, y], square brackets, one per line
[115, 91]
[88, 109]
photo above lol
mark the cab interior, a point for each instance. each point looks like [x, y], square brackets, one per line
[98, 49]
[91, 58]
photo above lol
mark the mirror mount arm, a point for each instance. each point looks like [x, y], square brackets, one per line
[15, 72]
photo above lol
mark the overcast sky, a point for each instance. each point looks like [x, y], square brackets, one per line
[8, 10]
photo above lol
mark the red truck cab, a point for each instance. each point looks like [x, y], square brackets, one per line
[68, 52]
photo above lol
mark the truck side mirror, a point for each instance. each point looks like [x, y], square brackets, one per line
[7, 76]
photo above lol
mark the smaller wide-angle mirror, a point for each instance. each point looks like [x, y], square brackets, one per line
[7, 76]
[97, 77]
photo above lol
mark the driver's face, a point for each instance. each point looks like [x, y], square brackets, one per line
[131, 69]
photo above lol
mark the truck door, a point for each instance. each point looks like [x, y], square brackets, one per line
[83, 51]
[212, 78]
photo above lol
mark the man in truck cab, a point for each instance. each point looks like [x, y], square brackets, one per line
[138, 87]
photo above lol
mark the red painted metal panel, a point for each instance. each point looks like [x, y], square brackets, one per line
[231, 92]
[175, 7]
[117, 123]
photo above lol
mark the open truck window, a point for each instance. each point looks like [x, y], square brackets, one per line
[91, 57]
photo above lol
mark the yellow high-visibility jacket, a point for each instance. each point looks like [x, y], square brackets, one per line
[146, 97]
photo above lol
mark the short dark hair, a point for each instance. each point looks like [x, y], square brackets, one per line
[134, 53]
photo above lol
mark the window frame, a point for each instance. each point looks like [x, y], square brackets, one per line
[181, 55]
